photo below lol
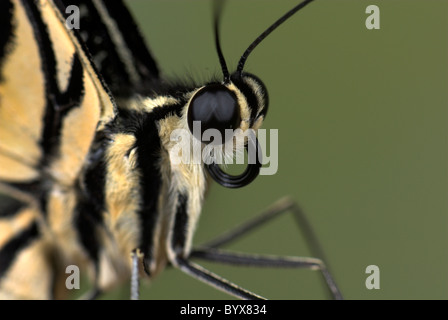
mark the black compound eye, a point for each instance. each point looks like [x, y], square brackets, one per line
[216, 107]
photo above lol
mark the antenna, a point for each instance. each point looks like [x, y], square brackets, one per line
[262, 36]
[218, 7]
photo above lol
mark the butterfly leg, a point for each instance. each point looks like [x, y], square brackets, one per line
[212, 279]
[208, 250]
[136, 255]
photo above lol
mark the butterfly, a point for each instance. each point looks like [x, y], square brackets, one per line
[92, 173]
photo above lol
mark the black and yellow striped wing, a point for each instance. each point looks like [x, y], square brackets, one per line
[110, 35]
[54, 103]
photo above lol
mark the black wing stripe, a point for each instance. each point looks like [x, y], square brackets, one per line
[15, 245]
[59, 103]
[65, 102]
[6, 8]
[100, 46]
[10, 207]
[91, 202]
[117, 40]
[145, 63]
[116, 46]
[87, 58]
[86, 223]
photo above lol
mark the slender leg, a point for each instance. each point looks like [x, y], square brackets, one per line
[281, 206]
[214, 280]
[135, 283]
[244, 259]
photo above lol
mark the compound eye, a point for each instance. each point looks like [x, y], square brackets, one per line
[216, 107]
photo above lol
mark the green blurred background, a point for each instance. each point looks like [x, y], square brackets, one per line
[362, 120]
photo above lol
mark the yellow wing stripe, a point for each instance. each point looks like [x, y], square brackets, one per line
[22, 103]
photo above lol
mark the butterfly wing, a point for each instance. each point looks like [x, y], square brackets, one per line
[58, 91]
[52, 104]
[48, 87]
[116, 46]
